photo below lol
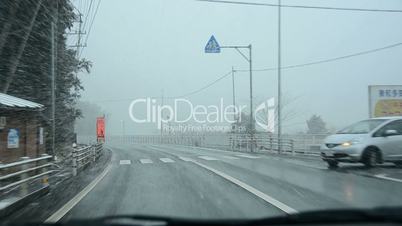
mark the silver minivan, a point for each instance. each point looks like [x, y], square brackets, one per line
[370, 142]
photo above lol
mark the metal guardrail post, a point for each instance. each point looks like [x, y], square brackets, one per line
[292, 148]
[94, 152]
[45, 178]
[270, 143]
[24, 186]
[75, 163]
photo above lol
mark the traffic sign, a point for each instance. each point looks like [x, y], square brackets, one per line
[100, 128]
[212, 46]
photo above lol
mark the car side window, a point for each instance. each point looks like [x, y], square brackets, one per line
[395, 125]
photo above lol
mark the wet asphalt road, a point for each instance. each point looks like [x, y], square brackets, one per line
[200, 183]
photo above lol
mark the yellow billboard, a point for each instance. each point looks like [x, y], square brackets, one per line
[385, 100]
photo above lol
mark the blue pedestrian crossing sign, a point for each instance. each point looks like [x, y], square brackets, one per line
[212, 46]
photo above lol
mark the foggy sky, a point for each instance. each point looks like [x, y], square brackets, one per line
[141, 47]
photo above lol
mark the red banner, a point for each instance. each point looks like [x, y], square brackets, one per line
[100, 127]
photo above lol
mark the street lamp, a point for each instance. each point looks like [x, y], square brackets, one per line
[213, 47]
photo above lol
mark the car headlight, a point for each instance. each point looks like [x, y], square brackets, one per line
[352, 142]
[346, 144]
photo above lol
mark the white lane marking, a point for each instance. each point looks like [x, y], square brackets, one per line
[229, 157]
[248, 156]
[384, 176]
[166, 160]
[186, 159]
[74, 201]
[285, 208]
[125, 162]
[146, 161]
[207, 158]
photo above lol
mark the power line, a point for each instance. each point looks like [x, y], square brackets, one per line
[202, 88]
[87, 14]
[270, 69]
[303, 6]
[330, 59]
[176, 97]
[90, 26]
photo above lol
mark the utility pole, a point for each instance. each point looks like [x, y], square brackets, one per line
[123, 129]
[53, 87]
[249, 59]
[279, 80]
[251, 102]
[162, 115]
[234, 95]
[79, 35]
[53, 76]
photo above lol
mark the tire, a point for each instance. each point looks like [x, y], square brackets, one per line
[398, 164]
[371, 157]
[332, 164]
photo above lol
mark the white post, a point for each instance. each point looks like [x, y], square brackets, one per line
[24, 186]
[45, 179]
[74, 162]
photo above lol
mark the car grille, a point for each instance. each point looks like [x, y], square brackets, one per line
[331, 145]
[340, 155]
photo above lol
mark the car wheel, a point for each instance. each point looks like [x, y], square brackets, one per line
[398, 164]
[371, 157]
[332, 164]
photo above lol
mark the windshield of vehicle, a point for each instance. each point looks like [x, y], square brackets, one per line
[362, 127]
[197, 109]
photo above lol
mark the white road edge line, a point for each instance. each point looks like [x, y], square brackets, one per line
[383, 176]
[285, 208]
[55, 217]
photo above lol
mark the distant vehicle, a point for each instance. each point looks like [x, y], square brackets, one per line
[370, 142]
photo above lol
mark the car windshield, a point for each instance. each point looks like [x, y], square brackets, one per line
[198, 109]
[362, 127]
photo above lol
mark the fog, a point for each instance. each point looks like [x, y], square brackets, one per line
[143, 48]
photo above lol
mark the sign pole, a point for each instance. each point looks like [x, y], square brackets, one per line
[213, 47]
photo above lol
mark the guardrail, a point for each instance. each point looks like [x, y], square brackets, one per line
[85, 155]
[22, 172]
[306, 144]
[243, 142]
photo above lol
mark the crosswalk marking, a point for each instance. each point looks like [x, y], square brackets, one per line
[229, 157]
[207, 158]
[186, 159]
[146, 161]
[248, 156]
[166, 160]
[125, 162]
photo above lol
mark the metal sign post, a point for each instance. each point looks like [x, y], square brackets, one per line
[214, 47]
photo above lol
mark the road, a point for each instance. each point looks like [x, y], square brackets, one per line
[202, 183]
